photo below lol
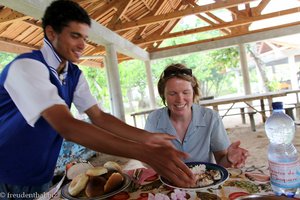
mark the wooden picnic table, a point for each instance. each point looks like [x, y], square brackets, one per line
[247, 99]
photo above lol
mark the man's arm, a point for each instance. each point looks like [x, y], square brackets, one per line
[121, 129]
[165, 160]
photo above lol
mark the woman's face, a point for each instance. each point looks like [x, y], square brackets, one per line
[179, 96]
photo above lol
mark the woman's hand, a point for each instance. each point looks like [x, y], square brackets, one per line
[236, 155]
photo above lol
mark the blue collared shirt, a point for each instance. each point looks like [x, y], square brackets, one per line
[206, 133]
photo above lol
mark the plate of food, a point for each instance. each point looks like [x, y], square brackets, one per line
[208, 175]
[96, 183]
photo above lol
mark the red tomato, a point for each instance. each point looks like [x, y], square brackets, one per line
[120, 196]
[69, 165]
[142, 198]
[235, 195]
[144, 194]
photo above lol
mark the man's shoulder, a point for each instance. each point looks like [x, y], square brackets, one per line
[37, 55]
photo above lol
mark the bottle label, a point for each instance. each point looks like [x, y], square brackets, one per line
[285, 175]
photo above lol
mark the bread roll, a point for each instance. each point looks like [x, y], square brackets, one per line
[77, 168]
[108, 174]
[95, 186]
[110, 165]
[78, 184]
[113, 182]
[96, 171]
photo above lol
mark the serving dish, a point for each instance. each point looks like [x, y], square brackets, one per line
[126, 183]
[209, 166]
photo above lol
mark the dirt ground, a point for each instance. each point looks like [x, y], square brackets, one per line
[256, 143]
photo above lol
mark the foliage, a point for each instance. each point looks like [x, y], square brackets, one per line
[5, 58]
[212, 69]
[133, 80]
[273, 85]
[190, 22]
[97, 80]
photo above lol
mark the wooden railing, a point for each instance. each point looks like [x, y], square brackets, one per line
[142, 114]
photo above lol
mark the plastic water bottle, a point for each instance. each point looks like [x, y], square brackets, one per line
[282, 154]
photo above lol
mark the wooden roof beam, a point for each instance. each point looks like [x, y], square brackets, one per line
[234, 12]
[157, 6]
[230, 40]
[166, 27]
[178, 14]
[260, 7]
[193, 4]
[98, 33]
[92, 7]
[85, 1]
[121, 9]
[223, 30]
[146, 4]
[220, 26]
[9, 16]
[104, 9]
[7, 45]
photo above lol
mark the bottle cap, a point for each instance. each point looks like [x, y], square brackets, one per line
[277, 105]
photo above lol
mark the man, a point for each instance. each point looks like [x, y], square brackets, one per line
[37, 90]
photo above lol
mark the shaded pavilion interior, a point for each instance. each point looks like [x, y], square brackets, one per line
[138, 29]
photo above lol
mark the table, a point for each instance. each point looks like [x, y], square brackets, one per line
[241, 182]
[214, 103]
[247, 100]
[297, 103]
[245, 181]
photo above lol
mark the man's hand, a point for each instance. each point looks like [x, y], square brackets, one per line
[159, 139]
[167, 162]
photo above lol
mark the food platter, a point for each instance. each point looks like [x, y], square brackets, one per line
[209, 166]
[126, 183]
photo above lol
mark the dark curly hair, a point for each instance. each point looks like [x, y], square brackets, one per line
[61, 12]
[180, 71]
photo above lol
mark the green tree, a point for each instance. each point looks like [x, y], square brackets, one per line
[133, 80]
[221, 62]
[97, 80]
[5, 58]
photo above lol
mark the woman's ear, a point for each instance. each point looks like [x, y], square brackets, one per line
[50, 33]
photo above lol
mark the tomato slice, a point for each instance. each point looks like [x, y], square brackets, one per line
[151, 178]
[69, 165]
[143, 196]
[235, 195]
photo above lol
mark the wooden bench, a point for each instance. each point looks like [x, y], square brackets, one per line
[289, 110]
[243, 114]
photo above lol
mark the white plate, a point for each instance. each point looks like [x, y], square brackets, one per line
[65, 193]
[209, 166]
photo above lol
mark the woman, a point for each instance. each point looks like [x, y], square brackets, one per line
[199, 131]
